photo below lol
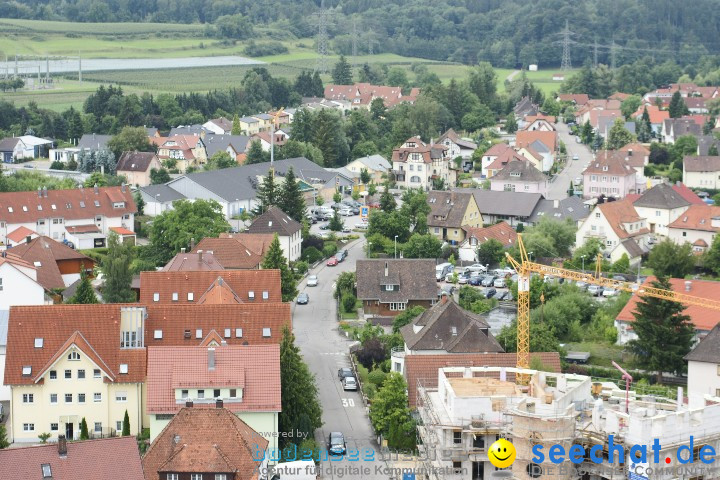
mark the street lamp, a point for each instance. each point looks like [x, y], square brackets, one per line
[369, 247]
[395, 256]
[583, 262]
[530, 254]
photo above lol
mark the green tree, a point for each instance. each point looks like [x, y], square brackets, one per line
[677, 107]
[416, 208]
[511, 125]
[84, 294]
[139, 202]
[542, 338]
[130, 139]
[668, 259]
[159, 176]
[126, 425]
[619, 136]
[256, 154]
[406, 317]
[118, 275]
[712, 257]
[551, 107]
[336, 224]
[345, 283]
[622, 265]
[4, 443]
[187, 221]
[267, 193]
[236, 125]
[664, 333]
[291, 200]
[490, 252]
[387, 201]
[713, 150]
[364, 176]
[586, 134]
[342, 72]
[389, 406]
[220, 160]
[84, 434]
[478, 118]
[275, 259]
[236, 27]
[389, 224]
[337, 197]
[684, 146]
[630, 105]
[301, 408]
[422, 246]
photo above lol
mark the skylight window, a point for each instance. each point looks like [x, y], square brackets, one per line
[123, 368]
[157, 335]
[38, 343]
[46, 470]
[10, 209]
[27, 370]
[39, 207]
[37, 264]
[198, 333]
[68, 205]
[97, 203]
[53, 206]
[82, 204]
[25, 209]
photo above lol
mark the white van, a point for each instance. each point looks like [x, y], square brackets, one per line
[442, 270]
[299, 470]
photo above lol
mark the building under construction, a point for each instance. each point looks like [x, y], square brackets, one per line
[472, 407]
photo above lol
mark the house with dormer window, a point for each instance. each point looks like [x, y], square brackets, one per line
[61, 368]
[184, 150]
[245, 378]
[609, 175]
[450, 212]
[389, 286]
[416, 164]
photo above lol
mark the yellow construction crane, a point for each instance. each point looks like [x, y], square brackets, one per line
[525, 268]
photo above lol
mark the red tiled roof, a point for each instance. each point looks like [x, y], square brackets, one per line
[504, 158]
[205, 440]
[219, 293]
[366, 92]
[24, 205]
[47, 252]
[656, 115]
[184, 143]
[234, 251]
[578, 98]
[253, 368]
[527, 137]
[175, 320]
[122, 231]
[620, 212]
[183, 282]
[540, 116]
[609, 163]
[20, 234]
[193, 261]
[501, 232]
[17, 261]
[497, 150]
[697, 217]
[703, 318]
[682, 190]
[88, 460]
[94, 329]
[424, 368]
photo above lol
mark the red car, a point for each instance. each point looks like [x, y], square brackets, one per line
[332, 262]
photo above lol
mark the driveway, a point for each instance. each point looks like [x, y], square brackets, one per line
[557, 189]
[325, 349]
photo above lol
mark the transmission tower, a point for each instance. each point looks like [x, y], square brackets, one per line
[321, 65]
[612, 54]
[566, 64]
[354, 35]
[595, 54]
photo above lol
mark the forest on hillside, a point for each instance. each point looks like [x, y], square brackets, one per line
[507, 33]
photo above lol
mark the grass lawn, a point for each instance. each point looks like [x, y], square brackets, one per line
[601, 354]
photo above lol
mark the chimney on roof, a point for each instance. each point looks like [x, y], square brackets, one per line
[95, 188]
[182, 250]
[200, 252]
[189, 403]
[443, 298]
[688, 285]
[211, 359]
[39, 192]
[192, 244]
[218, 403]
[122, 187]
[386, 269]
[28, 239]
[62, 446]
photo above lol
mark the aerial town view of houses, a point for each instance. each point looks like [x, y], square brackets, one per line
[331, 239]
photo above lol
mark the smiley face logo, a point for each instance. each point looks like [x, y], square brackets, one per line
[502, 453]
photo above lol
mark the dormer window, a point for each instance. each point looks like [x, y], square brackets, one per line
[605, 168]
[74, 356]
[119, 205]
[389, 288]
[25, 209]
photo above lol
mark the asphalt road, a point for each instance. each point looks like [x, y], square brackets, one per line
[557, 189]
[325, 349]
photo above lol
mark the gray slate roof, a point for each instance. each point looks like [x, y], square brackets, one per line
[416, 277]
[375, 162]
[513, 204]
[275, 220]
[634, 250]
[217, 143]
[188, 130]
[570, 207]
[92, 141]
[449, 206]
[8, 144]
[705, 142]
[539, 147]
[249, 120]
[240, 182]
[449, 328]
[708, 350]
[135, 161]
[661, 196]
[166, 193]
[526, 170]
[701, 164]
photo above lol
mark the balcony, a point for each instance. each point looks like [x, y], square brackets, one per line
[397, 352]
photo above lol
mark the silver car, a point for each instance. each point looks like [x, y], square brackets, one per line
[595, 290]
[349, 383]
[499, 283]
[312, 281]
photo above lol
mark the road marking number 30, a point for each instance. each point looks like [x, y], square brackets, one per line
[348, 402]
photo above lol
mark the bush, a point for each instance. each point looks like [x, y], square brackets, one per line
[312, 241]
[377, 377]
[264, 49]
[363, 374]
[348, 302]
[330, 249]
[57, 165]
[301, 267]
[311, 255]
[369, 390]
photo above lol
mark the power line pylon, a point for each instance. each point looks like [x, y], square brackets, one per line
[321, 65]
[566, 64]
[354, 36]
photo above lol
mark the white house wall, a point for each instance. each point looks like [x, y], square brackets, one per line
[18, 288]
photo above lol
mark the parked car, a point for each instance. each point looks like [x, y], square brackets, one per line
[609, 292]
[489, 292]
[488, 281]
[336, 443]
[349, 383]
[332, 261]
[595, 290]
[355, 210]
[312, 281]
[476, 280]
[464, 278]
[346, 229]
[577, 181]
[325, 226]
[499, 283]
[503, 295]
[345, 372]
[324, 235]
[303, 299]
[477, 267]
[345, 212]
[447, 290]
[442, 270]
[361, 225]
[575, 157]
[582, 285]
[341, 255]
